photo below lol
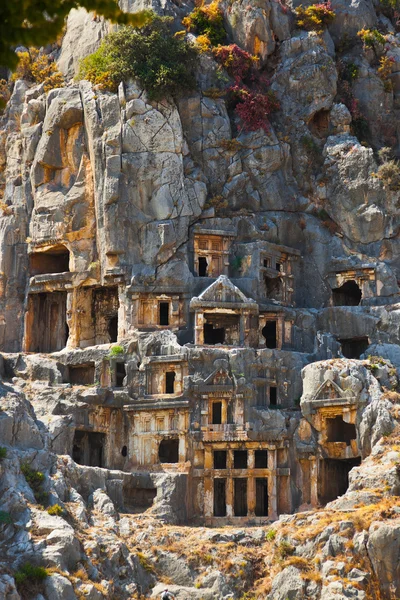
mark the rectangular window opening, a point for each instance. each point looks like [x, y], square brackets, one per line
[219, 459]
[219, 497]
[261, 459]
[203, 266]
[81, 374]
[261, 498]
[120, 374]
[170, 382]
[163, 317]
[240, 459]
[240, 497]
[273, 397]
[217, 413]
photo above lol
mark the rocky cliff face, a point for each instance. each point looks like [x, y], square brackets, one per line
[199, 323]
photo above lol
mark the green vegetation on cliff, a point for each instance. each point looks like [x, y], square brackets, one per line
[162, 62]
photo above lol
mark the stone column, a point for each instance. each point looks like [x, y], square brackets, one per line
[224, 411]
[208, 497]
[272, 484]
[199, 328]
[313, 481]
[182, 447]
[229, 484]
[251, 457]
[242, 328]
[229, 497]
[251, 496]
[208, 457]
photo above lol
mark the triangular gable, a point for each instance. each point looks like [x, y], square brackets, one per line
[329, 390]
[219, 377]
[223, 290]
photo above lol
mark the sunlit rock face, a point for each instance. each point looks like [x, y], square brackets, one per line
[199, 324]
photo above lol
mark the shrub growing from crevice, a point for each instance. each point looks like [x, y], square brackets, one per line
[391, 8]
[163, 63]
[238, 63]
[385, 70]
[207, 20]
[29, 579]
[37, 67]
[359, 124]
[4, 94]
[5, 518]
[36, 480]
[56, 510]
[3, 452]
[315, 17]
[249, 96]
[253, 107]
[116, 351]
[373, 39]
[389, 169]
[218, 203]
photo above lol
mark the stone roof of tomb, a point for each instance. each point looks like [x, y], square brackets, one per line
[222, 293]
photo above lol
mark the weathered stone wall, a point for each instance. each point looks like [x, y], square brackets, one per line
[225, 366]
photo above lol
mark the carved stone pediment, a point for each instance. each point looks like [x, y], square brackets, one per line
[224, 293]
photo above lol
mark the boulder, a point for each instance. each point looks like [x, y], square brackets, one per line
[58, 587]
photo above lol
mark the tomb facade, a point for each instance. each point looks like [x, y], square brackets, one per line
[197, 372]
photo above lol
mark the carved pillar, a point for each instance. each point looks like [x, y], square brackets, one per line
[224, 412]
[242, 328]
[229, 497]
[250, 459]
[208, 457]
[251, 496]
[208, 497]
[313, 481]
[124, 306]
[199, 328]
[272, 484]
[279, 332]
[182, 447]
[229, 484]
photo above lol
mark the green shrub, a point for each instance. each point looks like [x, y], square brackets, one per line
[372, 38]
[314, 17]
[270, 535]
[56, 510]
[349, 71]
[360, 128]
[207, 20]
[285, 549]
[309, 145]
[5, 517]
[394, 4]
[145, 562]
[236, 264]
[163, 63]
[35, 479]
[389, 174]
[218, 203]
[29, 575]
[4, 94]
[3, 452]
[116, 350]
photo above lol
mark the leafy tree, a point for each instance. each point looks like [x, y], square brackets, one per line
[38, 22]
[164, 63]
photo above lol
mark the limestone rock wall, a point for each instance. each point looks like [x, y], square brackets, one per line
[168, 361]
